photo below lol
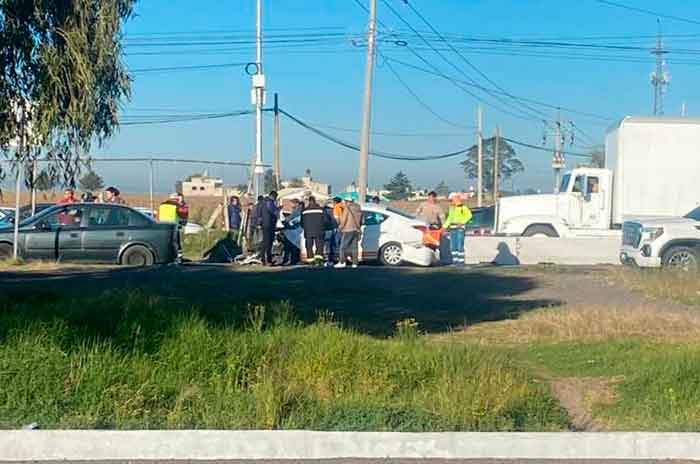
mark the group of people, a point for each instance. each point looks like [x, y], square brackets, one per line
[109, 195]
[343, 218]
[458, 216]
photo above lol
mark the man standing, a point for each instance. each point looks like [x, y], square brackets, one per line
[234, 218]
[68, 197]
[458, 217]
[312, 220]
[350, 226]
[270, 215]
[431, 211]
[175, 210]
[113, 195]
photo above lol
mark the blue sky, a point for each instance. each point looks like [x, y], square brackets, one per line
[322, 83]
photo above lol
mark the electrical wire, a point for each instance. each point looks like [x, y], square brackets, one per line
[536, 147]
[186, 68]
[467, 61]
[185, 118]
[648, 12]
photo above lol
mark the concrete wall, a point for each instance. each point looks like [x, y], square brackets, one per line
[535, 250]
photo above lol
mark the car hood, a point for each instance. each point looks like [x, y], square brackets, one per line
[525, 205]
[663, 221]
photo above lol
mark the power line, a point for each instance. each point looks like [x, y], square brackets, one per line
[536, 147]
[546, 105]
[186, 68]
[185, 118]
[378, 154]
[389, 133]
[648, 12]
[457, 68]
[469, 63]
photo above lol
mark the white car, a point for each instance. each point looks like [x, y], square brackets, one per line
[388, 235]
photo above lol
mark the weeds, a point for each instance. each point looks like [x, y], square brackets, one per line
[131, 361]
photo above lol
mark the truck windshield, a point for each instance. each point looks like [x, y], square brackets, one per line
[565, 183]
[694, 214]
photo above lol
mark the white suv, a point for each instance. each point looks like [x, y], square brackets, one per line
[667, 242]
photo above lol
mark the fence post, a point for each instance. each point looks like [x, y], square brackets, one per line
[18, 187]
[150, 184]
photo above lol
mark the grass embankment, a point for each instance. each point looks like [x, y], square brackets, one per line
[629, 368]
[135, 361]
[683, 287]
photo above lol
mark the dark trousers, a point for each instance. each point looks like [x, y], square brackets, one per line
[310, 242]
[268, 240]
[349, 246]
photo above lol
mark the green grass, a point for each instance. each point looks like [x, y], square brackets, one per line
[132, 360]
[656, 386]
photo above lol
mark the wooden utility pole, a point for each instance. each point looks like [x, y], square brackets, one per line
[276, 145]
[362, 177]
[496, 165]
[480, 158]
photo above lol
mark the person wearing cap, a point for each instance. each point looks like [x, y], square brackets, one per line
[458, 217]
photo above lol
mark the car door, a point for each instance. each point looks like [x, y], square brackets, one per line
[70, 233]
[371, 234]
[594, 208]
[105, 232]
[40, 239]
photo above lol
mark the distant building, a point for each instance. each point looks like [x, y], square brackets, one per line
[304, 188]
[201, 185]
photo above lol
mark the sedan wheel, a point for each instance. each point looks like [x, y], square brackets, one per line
[391, 254]
[6, 251]
[682, 259]
[137, 256]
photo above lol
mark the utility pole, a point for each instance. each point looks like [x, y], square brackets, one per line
[496, 165]
[659, 78]
[684, 110]
[34, 174]
[479, 158]
[558, 162]
[20, 169]
[362, 177]
[276, 145]
[258, 101]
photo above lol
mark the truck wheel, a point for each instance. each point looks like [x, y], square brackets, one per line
[682, 258]
[137, 255]
[540, 231]
[6, 251]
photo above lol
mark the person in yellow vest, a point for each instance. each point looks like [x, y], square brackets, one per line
[175, 210]
[458, 217]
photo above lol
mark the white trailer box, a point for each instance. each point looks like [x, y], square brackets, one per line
[656, 165]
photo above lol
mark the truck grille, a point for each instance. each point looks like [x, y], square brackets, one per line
[631, 234]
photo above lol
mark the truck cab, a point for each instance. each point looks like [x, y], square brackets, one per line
[582, 207]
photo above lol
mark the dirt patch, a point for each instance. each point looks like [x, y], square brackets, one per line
[579, 395]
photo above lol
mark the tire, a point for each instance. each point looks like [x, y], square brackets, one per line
[681, 258]
[6, 251]
[540, 231]
[137, 255]
[391, 254]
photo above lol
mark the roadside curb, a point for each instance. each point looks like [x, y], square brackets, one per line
[41, 445]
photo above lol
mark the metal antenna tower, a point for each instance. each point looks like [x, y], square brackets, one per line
[659, 78]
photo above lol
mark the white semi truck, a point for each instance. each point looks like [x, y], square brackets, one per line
[652, 169]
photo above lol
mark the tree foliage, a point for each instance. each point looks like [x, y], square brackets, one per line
[442, 189]
[399, 187]
[61, 77]
[91, 182]
[508, 162]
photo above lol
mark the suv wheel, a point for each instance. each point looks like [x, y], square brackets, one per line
[137, 255]
[682, 258]
[391, 254]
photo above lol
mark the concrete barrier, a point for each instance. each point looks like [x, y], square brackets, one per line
[303, 445]
[535, 250]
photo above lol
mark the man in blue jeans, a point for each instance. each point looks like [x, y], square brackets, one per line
[457, 218]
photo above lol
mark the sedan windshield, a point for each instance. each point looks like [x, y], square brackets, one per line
[694, 214]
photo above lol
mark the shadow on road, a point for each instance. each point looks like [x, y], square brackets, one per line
[370, 299]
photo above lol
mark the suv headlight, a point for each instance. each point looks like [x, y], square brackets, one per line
[649, 234]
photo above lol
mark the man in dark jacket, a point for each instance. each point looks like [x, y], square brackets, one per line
[312, 219]
[234, 218]
[269, 215]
